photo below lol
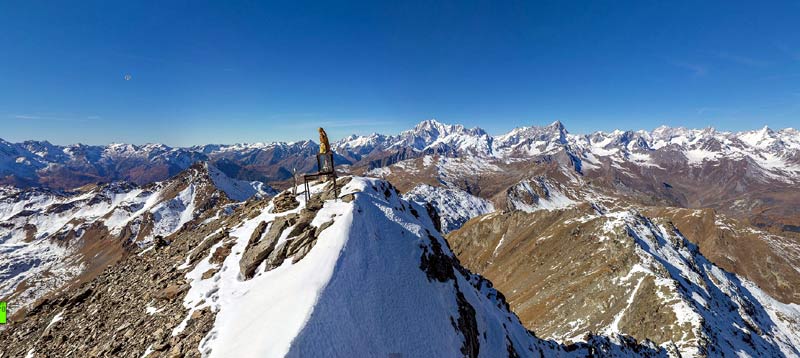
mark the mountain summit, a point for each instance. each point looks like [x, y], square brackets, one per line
[362, 273]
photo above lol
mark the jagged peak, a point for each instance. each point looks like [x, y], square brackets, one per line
[430, 123]
[37, 142]
[433, 125]
[557, 125]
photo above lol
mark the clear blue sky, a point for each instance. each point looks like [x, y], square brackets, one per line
[245, 71]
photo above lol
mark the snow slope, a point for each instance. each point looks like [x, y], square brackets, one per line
[238, 190]
[455, 206]
[537, 194]
[729, 315]
[379, 281]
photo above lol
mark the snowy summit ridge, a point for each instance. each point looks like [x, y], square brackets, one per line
[379, 279]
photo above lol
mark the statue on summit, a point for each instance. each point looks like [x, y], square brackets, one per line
[325, 166]
[324, 145]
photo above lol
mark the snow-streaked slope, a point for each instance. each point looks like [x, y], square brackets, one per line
[721, 313]
[238, 190]
[379, 281]
[616, 271]
[45, 234]
[454, 206]
[537, 194]
[733, 313]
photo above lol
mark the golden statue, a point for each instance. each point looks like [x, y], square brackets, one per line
[324, 146]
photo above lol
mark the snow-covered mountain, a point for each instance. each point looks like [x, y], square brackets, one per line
[429, 136]
[682, 239]
[35, 163]
[49, 238]
[354, 274]
[766, 155]
[41, 164]
[775, 153]
[739, 172]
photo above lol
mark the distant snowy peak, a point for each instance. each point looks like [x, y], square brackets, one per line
[258, 146]
[429, 136]
[35, 163]
[439, 137]
[432, 129]
[531, 140]
[362, 145]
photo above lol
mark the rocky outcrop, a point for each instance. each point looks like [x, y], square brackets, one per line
[260, 247]
[273, 248]
[285, 202]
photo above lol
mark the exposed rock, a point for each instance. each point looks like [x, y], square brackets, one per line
[322, 227]
[209, 274]
[300, 239]
[285, 202]
[257, 233]
[80, 296]
[255, 254]
[160, 242]
[434, 215]
[202, 250]
[277, 256]
[467, 325]
[328, 193]
[436, 264]
[127, 308]
[172, 291]
[222, 252]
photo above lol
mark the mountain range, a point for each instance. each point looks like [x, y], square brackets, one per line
[538, 242]
[38, 163]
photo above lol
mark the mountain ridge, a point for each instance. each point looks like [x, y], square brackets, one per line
[318, 298]
[50, 238]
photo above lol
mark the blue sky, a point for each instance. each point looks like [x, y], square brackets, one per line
[246, 71]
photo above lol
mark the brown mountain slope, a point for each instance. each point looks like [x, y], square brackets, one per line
[771, 261]
[588, 269]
